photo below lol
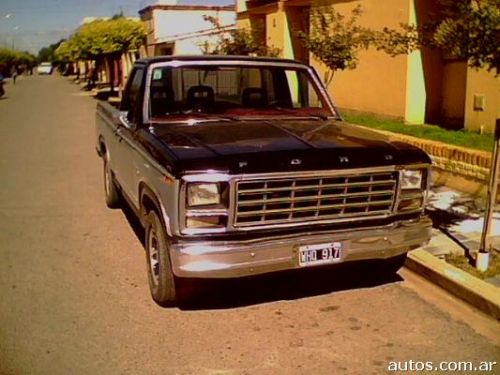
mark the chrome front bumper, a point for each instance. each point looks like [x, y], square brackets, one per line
[224, 259]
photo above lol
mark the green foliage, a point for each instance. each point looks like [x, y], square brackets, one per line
[10, 58]
[100, 38]
[460, 138]
[48, 53]
[238, 42]
[464, 29]
[67, 51]
[471, 30]
[460, 261]
[336, 40]
[398, 42]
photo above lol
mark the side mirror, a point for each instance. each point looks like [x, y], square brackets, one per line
[126, 122]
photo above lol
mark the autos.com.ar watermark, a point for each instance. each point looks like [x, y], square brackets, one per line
[445, 366]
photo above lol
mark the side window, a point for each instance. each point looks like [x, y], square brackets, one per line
[131, 101]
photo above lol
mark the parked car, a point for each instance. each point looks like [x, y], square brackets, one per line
[44, 68]
[240, 166]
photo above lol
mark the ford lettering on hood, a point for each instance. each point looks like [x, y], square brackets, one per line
[237, 166]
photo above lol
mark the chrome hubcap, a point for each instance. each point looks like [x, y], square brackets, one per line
[107, 180]
[107, 175]
[153, 257]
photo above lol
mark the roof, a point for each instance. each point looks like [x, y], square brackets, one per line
[217, 8]
[195, 34]
[157, 59]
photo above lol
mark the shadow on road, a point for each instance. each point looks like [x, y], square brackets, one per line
[216, 294]
[289, 285]
[134, 222]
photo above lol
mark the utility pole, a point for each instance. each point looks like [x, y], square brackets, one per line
[483, 256]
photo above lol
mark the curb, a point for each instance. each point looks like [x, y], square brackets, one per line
[476, 292]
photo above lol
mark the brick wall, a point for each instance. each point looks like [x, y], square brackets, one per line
[454, 159]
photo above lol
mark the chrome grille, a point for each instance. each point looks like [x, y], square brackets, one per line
[305, 199]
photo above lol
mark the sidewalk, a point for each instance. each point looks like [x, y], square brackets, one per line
[460, 216]
[458, 219]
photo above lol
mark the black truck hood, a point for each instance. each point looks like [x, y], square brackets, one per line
[255, 146]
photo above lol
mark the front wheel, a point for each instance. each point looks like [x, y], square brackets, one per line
[160, 275]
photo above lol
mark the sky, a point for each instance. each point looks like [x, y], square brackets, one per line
[29, 25]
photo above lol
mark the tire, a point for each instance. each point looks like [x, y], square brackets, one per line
[162, 282]
[111, 192]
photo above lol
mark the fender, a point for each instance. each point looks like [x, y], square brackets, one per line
[148, 200]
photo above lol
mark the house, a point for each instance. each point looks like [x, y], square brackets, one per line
[423, 87]
[181, 29]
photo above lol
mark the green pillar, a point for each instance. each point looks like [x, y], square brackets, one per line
[416, 94]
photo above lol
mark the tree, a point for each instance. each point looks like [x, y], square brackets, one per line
[11, 58]
[464, 29]
[336, 40]
[67, 51]
[238, 42]
[103, 41]
[48, 53]
[106, 37]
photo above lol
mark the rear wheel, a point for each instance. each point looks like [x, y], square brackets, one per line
[111, 192]
[162, 282]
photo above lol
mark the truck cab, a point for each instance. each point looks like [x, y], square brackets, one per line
[238, 166]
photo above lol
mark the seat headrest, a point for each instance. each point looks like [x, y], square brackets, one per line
[200, 93]
[254, 97]
[162, 100]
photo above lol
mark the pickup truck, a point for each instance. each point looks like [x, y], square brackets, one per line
[238, 166]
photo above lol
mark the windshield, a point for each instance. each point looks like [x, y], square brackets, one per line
[234, 91]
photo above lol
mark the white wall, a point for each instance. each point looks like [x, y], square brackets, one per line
[193, 46]
[169, 23]
[241, 5]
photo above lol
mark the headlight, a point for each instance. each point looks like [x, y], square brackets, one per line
[203, 194]
[411, 179]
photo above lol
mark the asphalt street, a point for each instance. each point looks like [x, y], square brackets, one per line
[74, 297]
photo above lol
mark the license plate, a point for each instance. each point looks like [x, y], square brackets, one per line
[325, 253]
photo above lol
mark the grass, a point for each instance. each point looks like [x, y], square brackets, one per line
[460, 138]
[462, 262]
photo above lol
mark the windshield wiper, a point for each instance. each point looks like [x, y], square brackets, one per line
[195, 116]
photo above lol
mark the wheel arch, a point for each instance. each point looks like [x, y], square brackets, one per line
[101, 147]
[148, 200]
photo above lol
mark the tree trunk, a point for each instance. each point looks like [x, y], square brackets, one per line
[111, 65]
